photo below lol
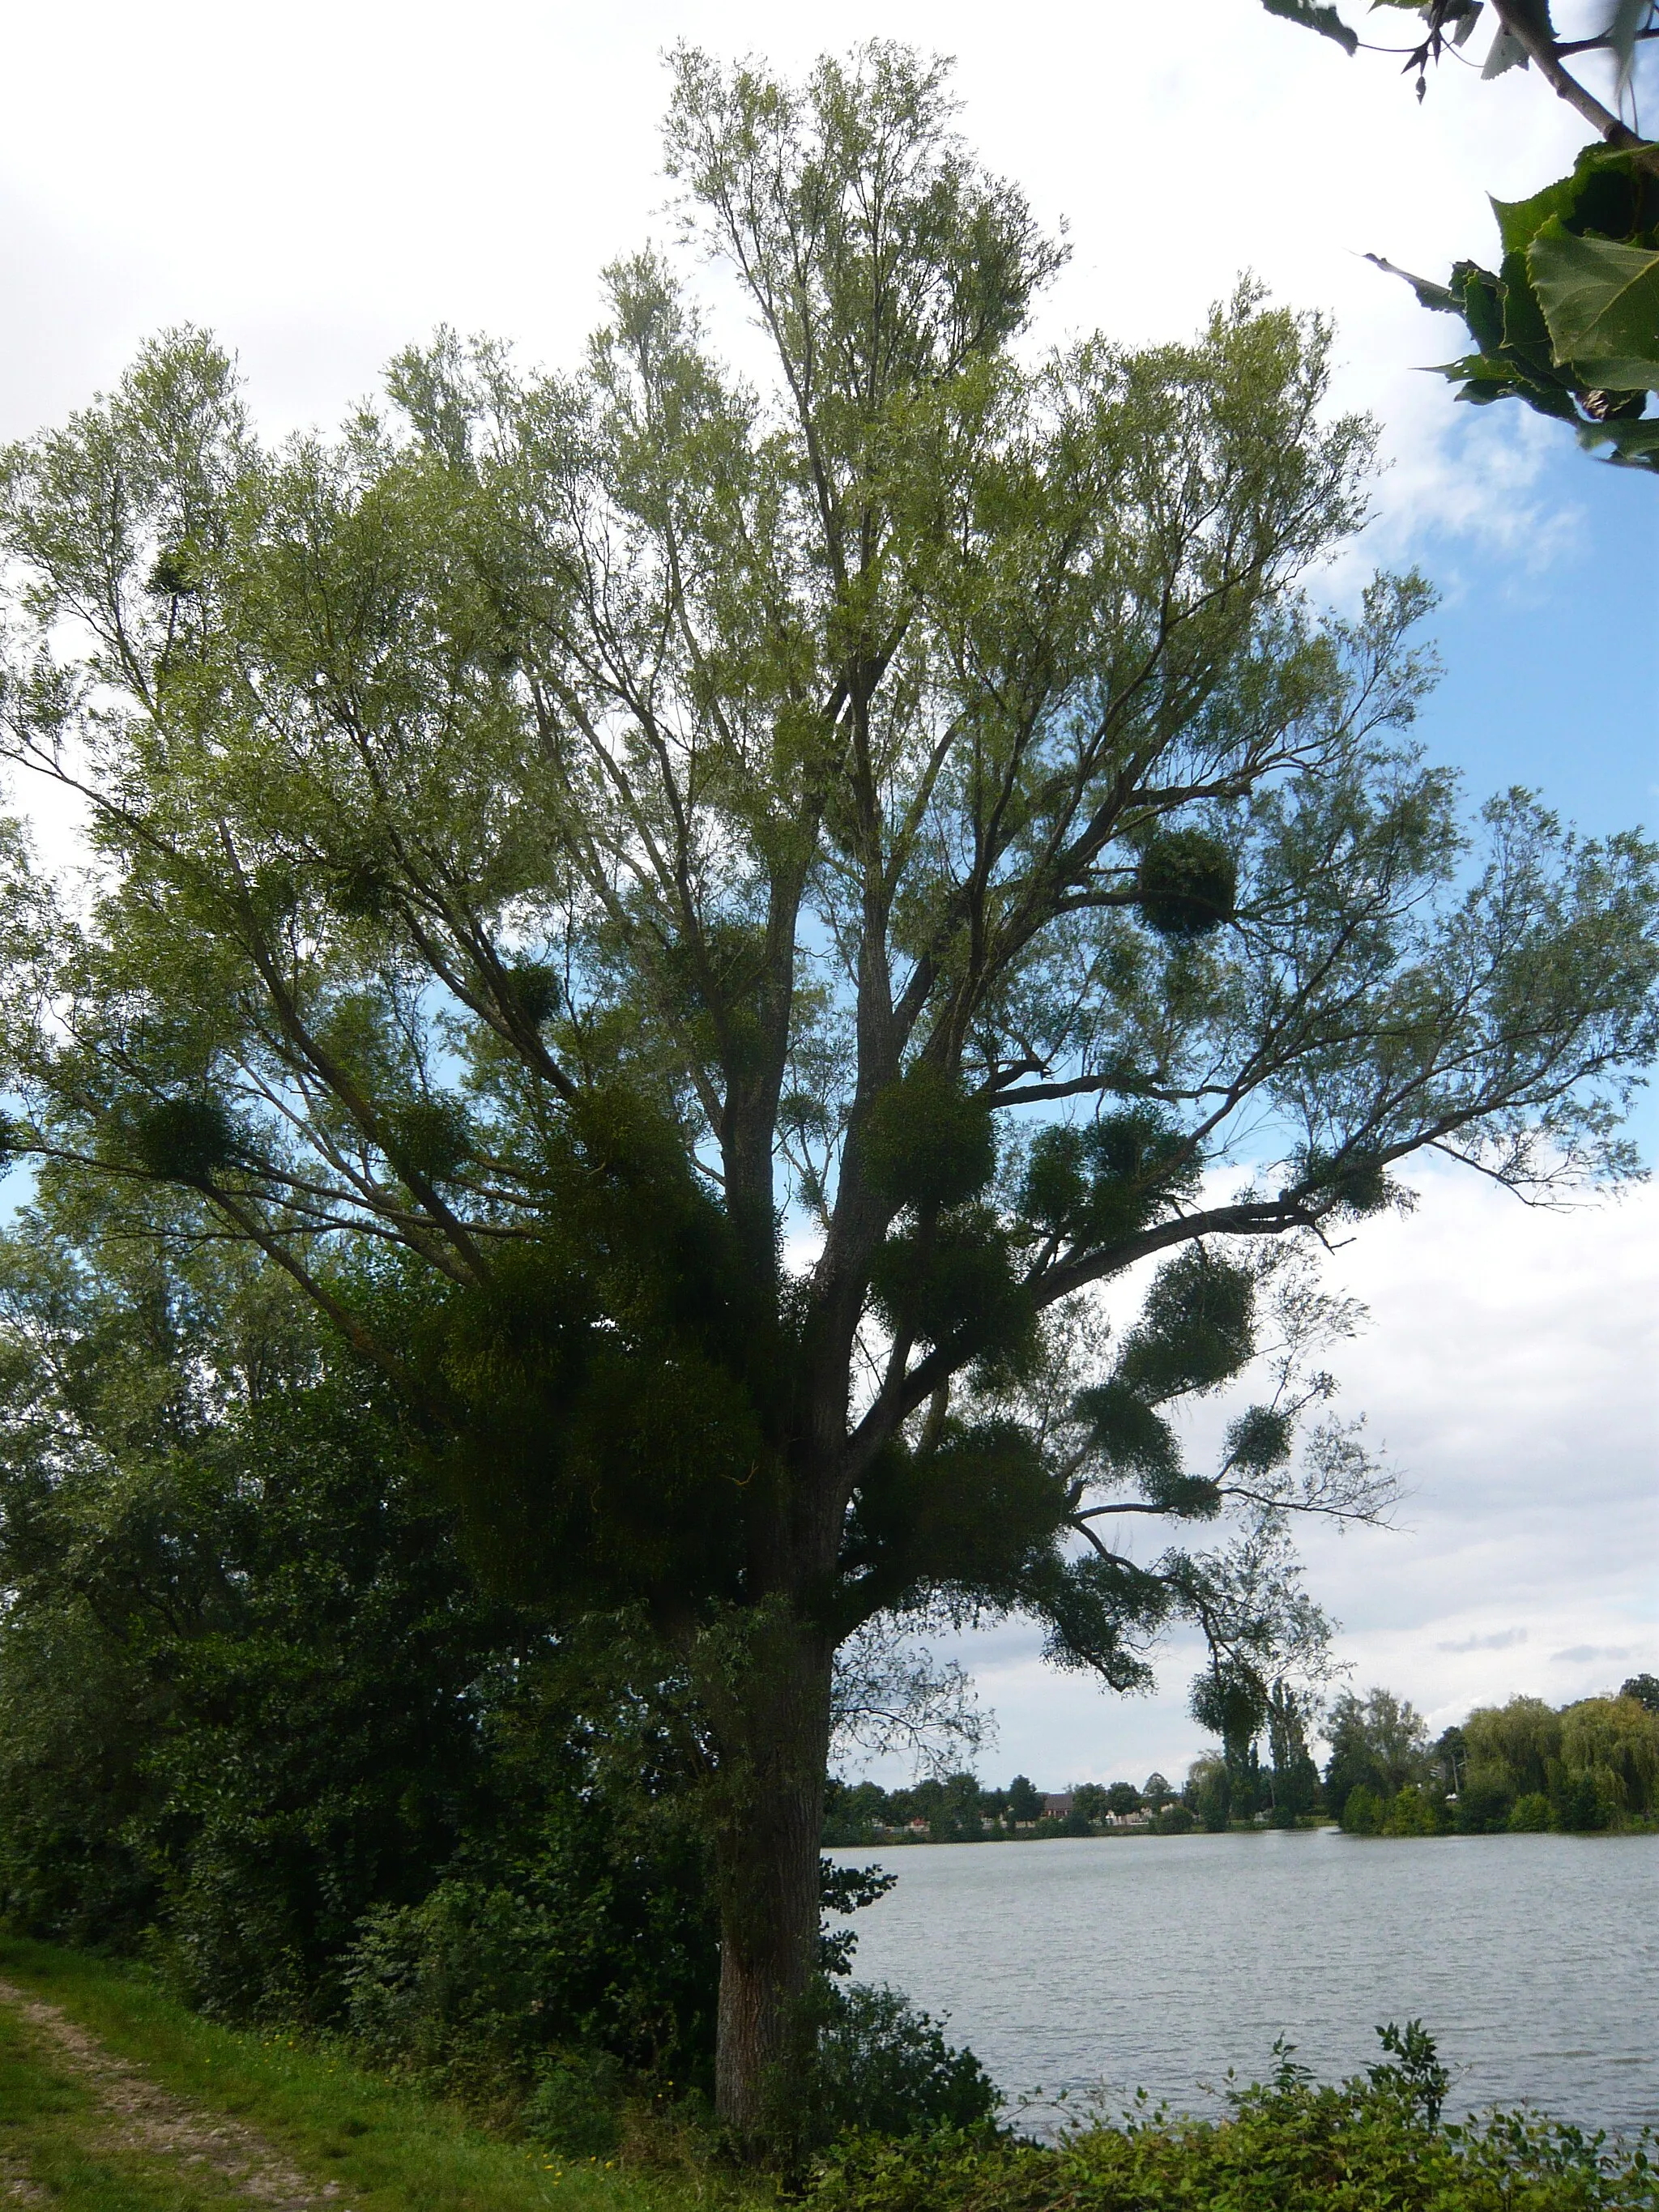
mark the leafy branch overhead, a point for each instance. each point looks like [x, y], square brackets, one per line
[1569, 322]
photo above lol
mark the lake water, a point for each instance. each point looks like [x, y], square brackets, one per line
[1158, 1962]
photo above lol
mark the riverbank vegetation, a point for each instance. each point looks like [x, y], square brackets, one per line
[115, 2098]
[1288, 2145]
[263, 1730]
[1589, 1767]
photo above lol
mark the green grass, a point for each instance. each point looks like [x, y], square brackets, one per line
[53, 2134]
[389, 2150]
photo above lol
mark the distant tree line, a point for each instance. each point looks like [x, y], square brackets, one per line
[954, 1808]
[1589, 1766]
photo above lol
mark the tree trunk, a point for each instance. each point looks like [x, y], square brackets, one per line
[771, 1711]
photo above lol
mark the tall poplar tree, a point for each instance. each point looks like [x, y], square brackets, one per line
[698, 914]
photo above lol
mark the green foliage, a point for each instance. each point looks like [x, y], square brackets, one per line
[484, 1989]
[1289, 2145]
[1186, 885]
[258, 1717]
[1485, 1804]
[1531, 1814]
[427, 1140]
[1566, 323]
[1024, 1799]
[183, 1140]
[1363, 1811]
[573, 2107]
[954, 1282]
[1419, 2077]
[1209, 1795]
[883, 2069]
[1601, 302]
[925, 1145]
[1524, 1766]
[1415, 1811]
[1517, 1743]
[1378, 1743]
[1313, 15]
[1094, 1184]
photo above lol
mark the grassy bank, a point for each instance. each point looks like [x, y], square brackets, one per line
[119, 2100]
[369, 2144]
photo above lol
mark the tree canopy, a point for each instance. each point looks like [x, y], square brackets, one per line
[697, 917]
[1568, 321]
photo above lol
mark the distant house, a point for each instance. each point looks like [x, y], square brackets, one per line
[1141, 1819]
[1056, 1804]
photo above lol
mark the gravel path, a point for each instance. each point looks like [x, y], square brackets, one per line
[144, 2116]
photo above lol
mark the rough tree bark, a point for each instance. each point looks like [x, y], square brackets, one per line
[771, 1702]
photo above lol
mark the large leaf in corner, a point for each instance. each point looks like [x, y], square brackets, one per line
[1601, 301]
[1314, 17]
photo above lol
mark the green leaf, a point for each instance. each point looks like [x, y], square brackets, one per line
[1601, 302]
[1635, 445]
[1312, 17]
[1607, 190]
[1439, 299]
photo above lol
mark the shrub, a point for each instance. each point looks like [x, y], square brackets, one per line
[1531, 1814]
[1413, 1813]
[1287, 2146]
[1586, 1804]
[1364, 1812]
[1483, 1804]
[885, 2068]
[453, 1989]
[574, 2105]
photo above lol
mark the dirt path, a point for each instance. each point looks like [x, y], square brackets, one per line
[144, 2117]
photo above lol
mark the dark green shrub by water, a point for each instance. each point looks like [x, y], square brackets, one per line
[1289, 2145]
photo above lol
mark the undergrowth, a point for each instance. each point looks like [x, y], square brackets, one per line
[1373, 2143]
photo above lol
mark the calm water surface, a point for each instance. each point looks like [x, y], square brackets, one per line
[1160, 1962]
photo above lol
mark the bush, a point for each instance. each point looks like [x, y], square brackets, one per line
[574, 2105]
[1289, 2145]
[1364, 1812]
[1531, 1814]
[1413, 1813]
[1585, 1804]
[885, 2069]
[1175, 1820]
[1483, 1807]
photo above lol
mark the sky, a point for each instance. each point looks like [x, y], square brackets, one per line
[321, 184]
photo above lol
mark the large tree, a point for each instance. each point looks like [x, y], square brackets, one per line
[1568, 321]
[699, 915]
